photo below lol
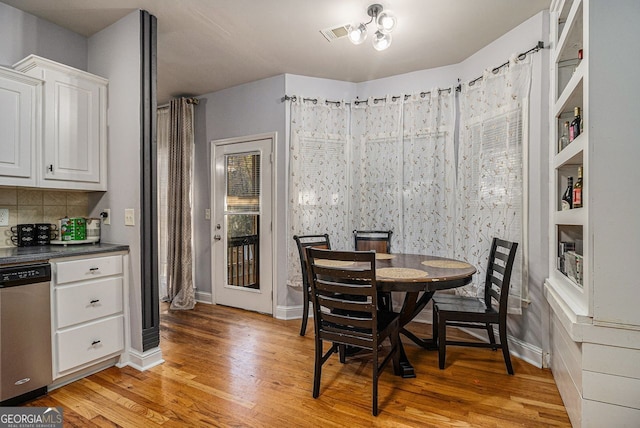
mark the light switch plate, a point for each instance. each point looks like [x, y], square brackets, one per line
[129, 217]
[4, 216]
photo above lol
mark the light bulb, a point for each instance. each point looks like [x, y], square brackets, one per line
[357, 33]
[386, 22]
[381, 41]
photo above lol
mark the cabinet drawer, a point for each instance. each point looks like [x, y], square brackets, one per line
[88, 301]
[86, 269]
[84, 344]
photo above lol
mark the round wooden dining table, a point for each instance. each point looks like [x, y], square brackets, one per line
[414, 274]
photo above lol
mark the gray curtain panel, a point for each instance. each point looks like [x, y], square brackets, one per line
[179, 254]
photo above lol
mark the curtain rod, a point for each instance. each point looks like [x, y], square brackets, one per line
[192, 100]
[523, 55]
[294, 98]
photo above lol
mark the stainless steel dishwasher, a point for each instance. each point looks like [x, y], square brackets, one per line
[25, 332]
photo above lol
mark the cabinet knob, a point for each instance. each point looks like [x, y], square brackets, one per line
[95, 342]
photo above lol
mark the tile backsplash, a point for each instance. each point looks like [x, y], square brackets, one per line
[39, 206]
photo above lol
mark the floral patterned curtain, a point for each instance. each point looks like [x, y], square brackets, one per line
[377, 165]
[491, 173]
[429, 173]
[319, 198]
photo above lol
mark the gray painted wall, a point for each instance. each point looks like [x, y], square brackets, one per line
[114, 53]
[253, 108]
[23, 34]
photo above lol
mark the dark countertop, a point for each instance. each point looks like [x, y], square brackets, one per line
[14, 255]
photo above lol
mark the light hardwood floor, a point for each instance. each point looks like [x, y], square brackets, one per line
[227, 367]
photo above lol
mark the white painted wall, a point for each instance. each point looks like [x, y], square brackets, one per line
[114, 53]
[23, 34]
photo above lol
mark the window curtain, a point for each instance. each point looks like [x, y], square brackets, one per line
[377, 166]
[163, 178]
[179, 235]
[428, 190]
[491, 173]
[318, 177]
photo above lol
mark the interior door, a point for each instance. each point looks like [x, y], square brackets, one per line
[241, 228]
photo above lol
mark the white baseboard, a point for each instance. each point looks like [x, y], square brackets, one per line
[290, 312]
[204, 297]
[145, 360]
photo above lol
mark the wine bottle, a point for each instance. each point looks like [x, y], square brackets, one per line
[564, 138]
[567, 198]
[574, 128]
[577, 190]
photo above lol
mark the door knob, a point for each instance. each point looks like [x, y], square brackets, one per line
[217, 237]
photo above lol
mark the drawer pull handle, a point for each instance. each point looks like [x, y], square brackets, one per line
[95, 342]
[94, 270]
[94, 301]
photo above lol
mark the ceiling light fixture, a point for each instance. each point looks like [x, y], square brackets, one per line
[385, 22]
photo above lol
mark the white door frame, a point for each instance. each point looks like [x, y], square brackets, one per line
[273, 136]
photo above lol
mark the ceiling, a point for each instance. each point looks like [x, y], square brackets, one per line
[209, 45]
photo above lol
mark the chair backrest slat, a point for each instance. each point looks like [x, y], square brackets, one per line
[344, 295]
[498, 277]
[377, 240]
[304, 241]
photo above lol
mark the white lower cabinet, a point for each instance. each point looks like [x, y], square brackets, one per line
[89, 316]
[89, 342]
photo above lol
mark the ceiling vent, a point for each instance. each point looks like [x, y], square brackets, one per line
[334, 33]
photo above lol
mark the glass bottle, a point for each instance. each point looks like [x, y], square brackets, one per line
[567, 198]
[577, 190]
[564, 138]
[574, 128]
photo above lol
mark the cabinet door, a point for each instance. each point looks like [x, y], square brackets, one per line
[73, 121]
[18, 121]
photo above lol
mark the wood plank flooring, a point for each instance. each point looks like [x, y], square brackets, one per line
[230, 368]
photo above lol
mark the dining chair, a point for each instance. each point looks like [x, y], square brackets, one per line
[378, 240]
[304, 241]
[346, 313]
[479, 313]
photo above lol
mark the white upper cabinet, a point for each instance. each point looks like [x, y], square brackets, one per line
[19, 127]
[74, 130]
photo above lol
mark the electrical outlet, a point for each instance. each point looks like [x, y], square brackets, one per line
[106, 216]
[4, 216]
[129, 217]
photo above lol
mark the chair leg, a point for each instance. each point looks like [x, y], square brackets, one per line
[317, 372]
[492, 337]
[442, 341]
[505, 347]
[305, 312]
[434, 325]
[374, 392]
[342, 352]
